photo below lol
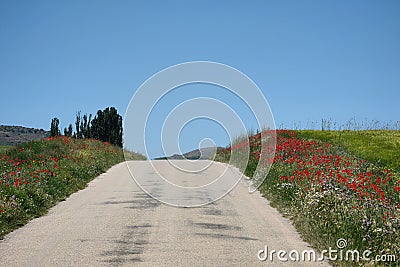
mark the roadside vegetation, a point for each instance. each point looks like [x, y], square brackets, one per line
[37, 175]
[130, 155]
[106, 126]
[335, 185]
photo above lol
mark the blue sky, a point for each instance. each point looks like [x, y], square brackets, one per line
[311, 59]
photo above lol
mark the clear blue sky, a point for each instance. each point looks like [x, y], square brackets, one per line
[311, 59]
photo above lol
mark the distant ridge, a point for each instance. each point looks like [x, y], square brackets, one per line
[203, 153]
[14, 135]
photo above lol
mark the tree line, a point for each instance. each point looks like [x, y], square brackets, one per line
[105, 126]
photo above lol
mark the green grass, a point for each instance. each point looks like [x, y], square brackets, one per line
[4, 148]
[381, 147]
[37, 175]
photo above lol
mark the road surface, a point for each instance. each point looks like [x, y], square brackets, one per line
[114, 223]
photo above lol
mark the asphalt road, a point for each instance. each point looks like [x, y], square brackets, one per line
[114, 223]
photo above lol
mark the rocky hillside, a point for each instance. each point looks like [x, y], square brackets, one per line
[203, 153]
[13, 135]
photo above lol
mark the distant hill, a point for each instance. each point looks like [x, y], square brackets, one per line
[13, 135]
[203, 153]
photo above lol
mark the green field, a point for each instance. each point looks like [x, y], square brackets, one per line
[381, 147]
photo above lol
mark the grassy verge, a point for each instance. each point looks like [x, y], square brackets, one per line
[37, 175]
[129, 155]
[330, 194]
